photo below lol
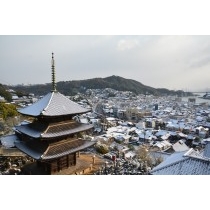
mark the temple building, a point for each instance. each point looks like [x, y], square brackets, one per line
[52, 139]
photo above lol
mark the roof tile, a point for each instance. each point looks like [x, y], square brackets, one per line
[53, 104]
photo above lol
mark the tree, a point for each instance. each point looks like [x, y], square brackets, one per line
[5, 93]
[102, 148]
[143, 155]
[7, 110]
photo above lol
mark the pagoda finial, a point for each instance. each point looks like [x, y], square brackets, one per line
[53, 74]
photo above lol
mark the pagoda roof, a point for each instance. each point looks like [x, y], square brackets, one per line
[9, 140]
[53, 104]
[44, 151]
[53, 130]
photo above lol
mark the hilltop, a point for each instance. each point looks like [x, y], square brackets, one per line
[114, 82]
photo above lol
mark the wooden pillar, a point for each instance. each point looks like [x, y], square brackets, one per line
[68, 161]
[93, 159]
[49, 168]
[75, 158]
[58, 165]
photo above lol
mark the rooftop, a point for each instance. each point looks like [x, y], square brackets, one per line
[183, 163]
[53, 104]
[42, 150]
[45, 130]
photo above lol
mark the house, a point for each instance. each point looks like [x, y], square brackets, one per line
[162, 145]
[180, 146]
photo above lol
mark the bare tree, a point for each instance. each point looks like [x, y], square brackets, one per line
[142, 154]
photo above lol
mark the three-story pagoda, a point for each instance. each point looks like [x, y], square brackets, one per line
[52, 138]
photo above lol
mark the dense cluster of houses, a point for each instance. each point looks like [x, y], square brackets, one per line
[173, 129]
[169, 126]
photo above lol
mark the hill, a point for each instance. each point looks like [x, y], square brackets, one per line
[114, 82]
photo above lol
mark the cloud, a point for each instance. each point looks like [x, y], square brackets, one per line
[128, 44]
[173, 62]
[201, 62]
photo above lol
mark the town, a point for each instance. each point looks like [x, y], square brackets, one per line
[132, 134]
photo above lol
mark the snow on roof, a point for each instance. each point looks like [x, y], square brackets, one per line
[184, 163]
[50, 131]
[206, 152]
[180, 146]
[53, 104]
[187, 166]
[182, 134]
[110, 118]
[162, 144]
[172, 125]
[177, 156]
[206, 140]
[132, 129]
[161, 133]
[199, 118]
[118, 129]
[129, 154]
[84, 120]
[166, 136]
[9, 141]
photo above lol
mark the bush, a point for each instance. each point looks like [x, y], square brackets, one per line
[131, 147]
[5, 93]
[7, 110]
[102, 148]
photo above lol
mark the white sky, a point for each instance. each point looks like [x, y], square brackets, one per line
[174, 62]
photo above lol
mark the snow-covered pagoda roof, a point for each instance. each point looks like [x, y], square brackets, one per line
[53, 104]
[43, 151]
[46, 130]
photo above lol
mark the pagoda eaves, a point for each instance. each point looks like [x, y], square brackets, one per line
[53, 104]
[44, 151]
[49, 131]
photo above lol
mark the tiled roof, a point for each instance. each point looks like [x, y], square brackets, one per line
[187, 166]
[177, 156]
[53, 104]
[65, 148]
[206, 152]
[43, 130]
[9, 141]
[183, 163]
[33, 129]
[180, 146]
[42, 150]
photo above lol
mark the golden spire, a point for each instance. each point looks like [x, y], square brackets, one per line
[53, 74]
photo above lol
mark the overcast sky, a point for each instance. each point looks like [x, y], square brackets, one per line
[173, 62]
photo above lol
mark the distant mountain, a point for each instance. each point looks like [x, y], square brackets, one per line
[114, 82]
